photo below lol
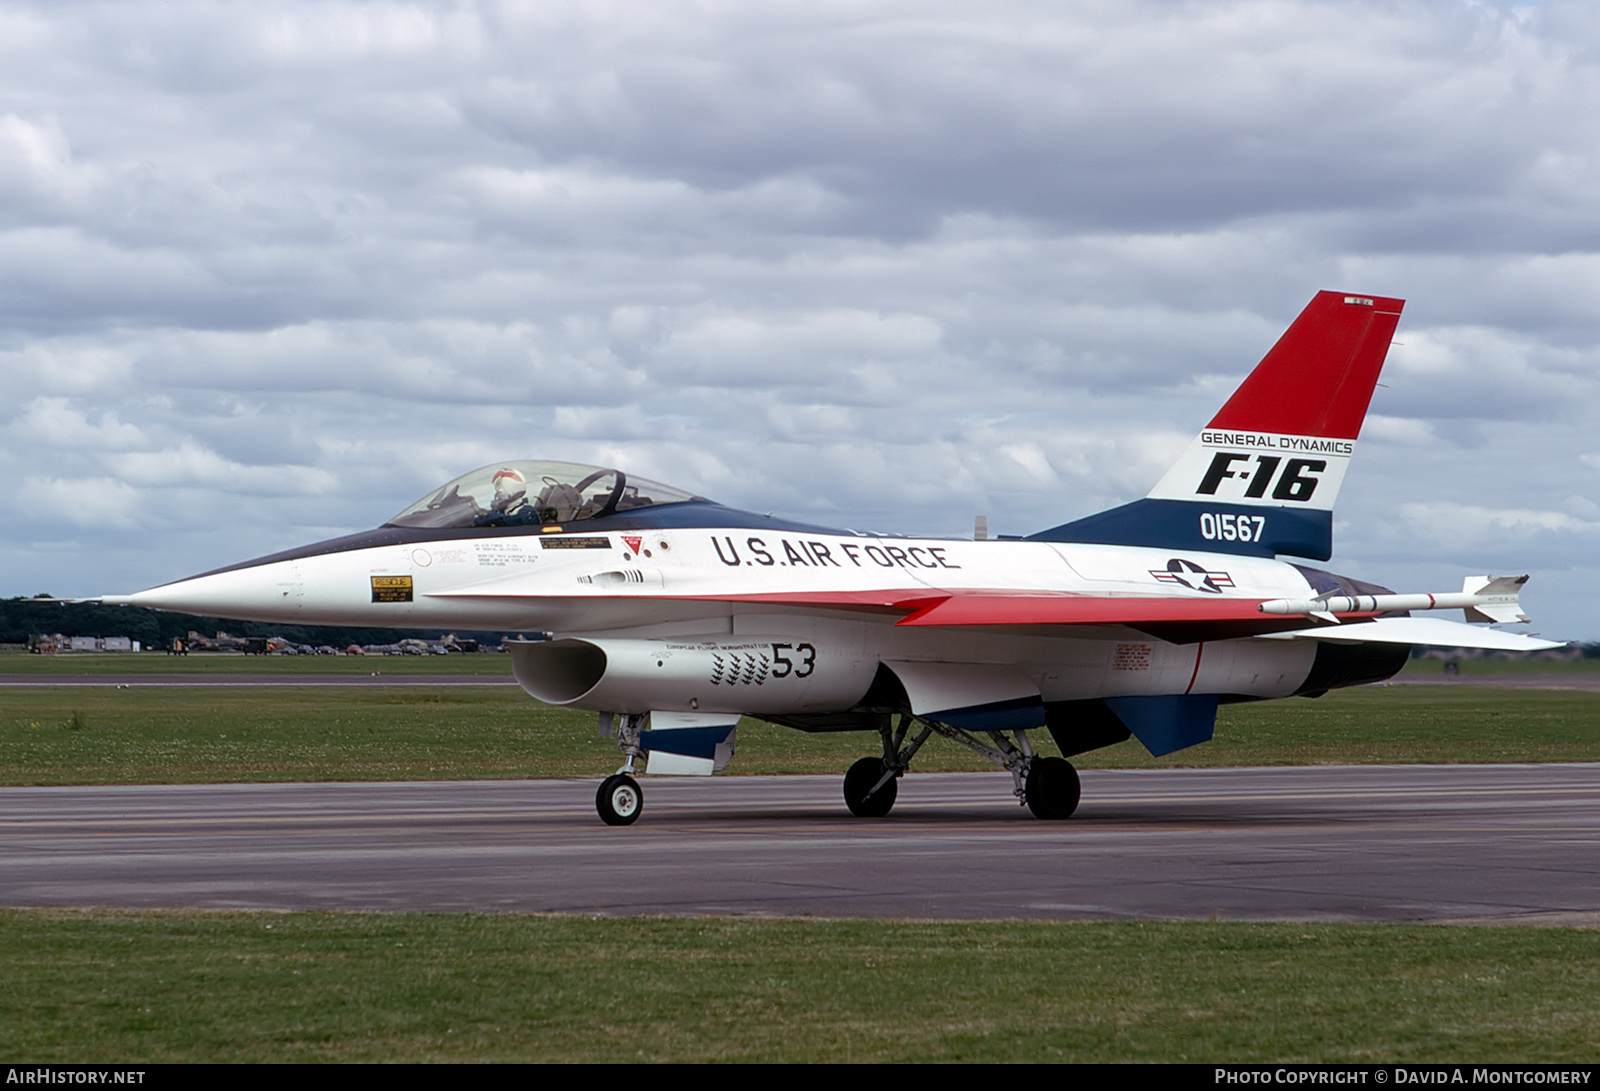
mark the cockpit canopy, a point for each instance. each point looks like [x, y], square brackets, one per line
[528, 491]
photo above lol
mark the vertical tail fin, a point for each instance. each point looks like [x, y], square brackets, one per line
[1262, 477]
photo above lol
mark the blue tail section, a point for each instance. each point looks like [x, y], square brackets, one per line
[1262, 477]
[1184, 524]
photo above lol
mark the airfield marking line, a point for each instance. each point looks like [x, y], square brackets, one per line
[1089, 826]
[1340, 828]
[303, 683]
[906, 805]
[722, 815]
[1432, 793]
[69, 823]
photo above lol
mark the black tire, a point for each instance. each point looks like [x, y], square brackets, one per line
[619, 800]
[858, 781]
[1052, 788]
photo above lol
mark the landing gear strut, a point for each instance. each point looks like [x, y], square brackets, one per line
[869, 785]
[620, 800]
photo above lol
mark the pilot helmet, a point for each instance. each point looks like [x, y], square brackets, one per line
[509, 487]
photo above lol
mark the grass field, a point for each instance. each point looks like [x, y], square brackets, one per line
[203, 663]
[1488, 667]
[148, 735]
[107, 986]
[110, 986]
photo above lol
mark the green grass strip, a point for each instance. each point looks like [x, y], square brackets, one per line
[89, 664]
[161, 735]
[108, 986]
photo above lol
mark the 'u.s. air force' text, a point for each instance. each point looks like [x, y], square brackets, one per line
[820, 555]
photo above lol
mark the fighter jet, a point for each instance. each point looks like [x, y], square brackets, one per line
[671, 616]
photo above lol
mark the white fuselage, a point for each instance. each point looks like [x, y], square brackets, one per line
[820, 608]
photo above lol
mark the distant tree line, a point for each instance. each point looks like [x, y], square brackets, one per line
[23, 619]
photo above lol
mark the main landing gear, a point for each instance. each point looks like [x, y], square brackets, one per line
[1048, 786]
[869, 788]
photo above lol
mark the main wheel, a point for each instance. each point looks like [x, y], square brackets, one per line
[858, 781]
[1052, 788]
[619, 800]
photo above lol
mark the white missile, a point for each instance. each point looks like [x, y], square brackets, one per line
[1483, 598]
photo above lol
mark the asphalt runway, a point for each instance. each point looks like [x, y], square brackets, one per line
[1354, 843]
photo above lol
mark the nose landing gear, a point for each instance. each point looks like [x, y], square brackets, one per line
[619, 800]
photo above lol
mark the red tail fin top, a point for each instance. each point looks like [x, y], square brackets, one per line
[1318, 378]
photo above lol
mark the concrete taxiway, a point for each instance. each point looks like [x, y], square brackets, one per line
[1357, 843]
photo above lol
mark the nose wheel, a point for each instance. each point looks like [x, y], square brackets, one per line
[619, 800]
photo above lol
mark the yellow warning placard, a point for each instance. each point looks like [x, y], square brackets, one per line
[391, 589]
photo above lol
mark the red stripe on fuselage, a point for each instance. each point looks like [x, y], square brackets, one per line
[1199, 650]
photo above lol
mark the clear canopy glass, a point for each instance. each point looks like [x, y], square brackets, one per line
[531, 491]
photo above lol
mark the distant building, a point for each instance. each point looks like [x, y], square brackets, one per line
[51, 643]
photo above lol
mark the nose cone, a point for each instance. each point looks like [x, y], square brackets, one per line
[268, 592]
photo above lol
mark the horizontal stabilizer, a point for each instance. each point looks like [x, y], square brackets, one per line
[1436, 632]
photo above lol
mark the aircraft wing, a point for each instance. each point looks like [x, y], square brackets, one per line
[1182, 620]
[1178, 619]
[1187, 620]
[1175, 619]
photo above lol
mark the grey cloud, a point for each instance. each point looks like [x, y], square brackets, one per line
[1129, 116]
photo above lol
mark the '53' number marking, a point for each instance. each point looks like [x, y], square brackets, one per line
[783, 666]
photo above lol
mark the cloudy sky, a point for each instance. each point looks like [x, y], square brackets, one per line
[270, 271]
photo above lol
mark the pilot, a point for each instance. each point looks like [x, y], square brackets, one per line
[510, 506]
